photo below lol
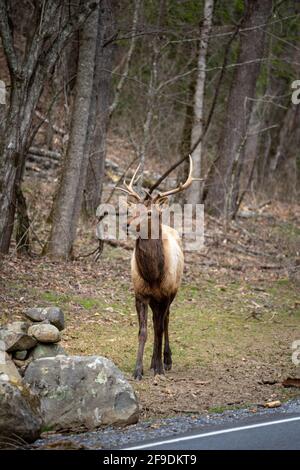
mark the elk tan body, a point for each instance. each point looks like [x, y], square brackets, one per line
[173, 262]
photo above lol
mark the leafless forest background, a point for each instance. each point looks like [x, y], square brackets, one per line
[95, 87]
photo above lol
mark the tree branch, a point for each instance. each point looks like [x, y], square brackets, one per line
[72, 25]
[45, 29]
[47, 59]
[128, 58]
[210, 115]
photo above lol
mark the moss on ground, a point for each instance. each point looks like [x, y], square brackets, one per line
[229, 330]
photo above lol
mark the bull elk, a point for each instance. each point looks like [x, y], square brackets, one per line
[156, 270]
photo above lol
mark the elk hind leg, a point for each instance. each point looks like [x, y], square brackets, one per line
[167, 349]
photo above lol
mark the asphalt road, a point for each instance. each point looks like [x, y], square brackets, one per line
[279, 432]
[275, 428]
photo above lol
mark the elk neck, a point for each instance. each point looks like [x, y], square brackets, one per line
[149, 254]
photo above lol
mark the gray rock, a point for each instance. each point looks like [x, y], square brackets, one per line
[8, 370]
[20, 355]
[44, 333]
[56, 317]
[36, 314]
[20, 417]
[47, 350]
[82, 392]
[53, 314]
[18, 326]
[16, 341]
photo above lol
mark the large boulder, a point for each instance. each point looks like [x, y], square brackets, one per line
[20, 418]
[81, 392]
[53, 314]
[44, 333]
[47, 350]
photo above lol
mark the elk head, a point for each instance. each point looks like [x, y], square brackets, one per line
[143, 208]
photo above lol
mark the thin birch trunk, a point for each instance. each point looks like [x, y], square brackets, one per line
[194, 193]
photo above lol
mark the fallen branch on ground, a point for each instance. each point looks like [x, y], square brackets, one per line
[44, 153]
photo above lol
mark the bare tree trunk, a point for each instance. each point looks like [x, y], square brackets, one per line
[152, 92]
[193, 194]
[251, 146]
[119, 88]
[10, 162]
[283, 167]
[27, 77]
[223, 183]
[260, 118]
[69, 197]
[100, 110]
[272, 112]
[186, 137]
[278, 151]
[151, 100]
[23, 226]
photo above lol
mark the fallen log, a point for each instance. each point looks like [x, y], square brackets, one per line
[41, 152]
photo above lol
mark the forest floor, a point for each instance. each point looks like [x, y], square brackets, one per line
[232, 324]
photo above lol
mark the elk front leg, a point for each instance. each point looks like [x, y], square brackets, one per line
[158, 324]
[142, 311]
[167, 350]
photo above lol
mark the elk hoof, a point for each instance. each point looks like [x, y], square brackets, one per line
[168, 361]
[159, 370]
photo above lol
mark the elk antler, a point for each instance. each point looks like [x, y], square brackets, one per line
[181, 187]
[129, 187]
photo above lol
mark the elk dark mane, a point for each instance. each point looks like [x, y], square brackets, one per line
[150, 260]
